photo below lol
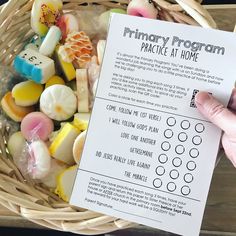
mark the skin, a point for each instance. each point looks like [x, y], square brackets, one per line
[223, 117]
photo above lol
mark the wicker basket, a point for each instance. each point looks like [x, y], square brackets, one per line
[29, 199]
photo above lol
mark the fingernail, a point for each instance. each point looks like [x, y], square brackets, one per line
[202, 97]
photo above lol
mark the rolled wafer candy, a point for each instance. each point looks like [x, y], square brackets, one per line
[58, 102]
[27, 93]
[34, 65]
[78, 146]
[44, 14]
[39, 162]
[36, 124]
[82, 90]
[50, 41]
[67, 24]
[61, 147]
[15, 112]
[66, 68]
[100, 50]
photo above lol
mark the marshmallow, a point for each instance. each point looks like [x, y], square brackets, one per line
[35, 66]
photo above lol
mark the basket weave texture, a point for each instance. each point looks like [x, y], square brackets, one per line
[33, 201]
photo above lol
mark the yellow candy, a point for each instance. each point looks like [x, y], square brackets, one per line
[81, 121]
[61, 147]
[67, 68]
[65, 182]
[44, 14]
[54, 80]
[27, 93]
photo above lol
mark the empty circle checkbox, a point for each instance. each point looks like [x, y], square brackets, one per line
[174, 174]
[185, 190]
[157, 183]
[191, 165]
[182, 137]
[194, 153]
[199, 127]
[160, 170]
[179, 149]
[188, 178]
[165, 146]
[171, 186]
[171, 121]
[177, 162]
[168, 133]
[163, 158]
[197, 140]
[185, 124]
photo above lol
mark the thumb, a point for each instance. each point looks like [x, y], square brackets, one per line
[215, 112]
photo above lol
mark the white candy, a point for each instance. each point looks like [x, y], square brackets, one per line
[58, 102]
[35, 66]
[51, 40]
[40, 164]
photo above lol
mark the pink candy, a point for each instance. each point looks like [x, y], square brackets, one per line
[36, 124]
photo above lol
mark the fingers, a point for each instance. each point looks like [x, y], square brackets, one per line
[214, 111]
[232, 102]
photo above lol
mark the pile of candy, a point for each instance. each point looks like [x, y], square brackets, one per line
[59, 69]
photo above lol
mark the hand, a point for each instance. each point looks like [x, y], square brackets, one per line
[224, 118]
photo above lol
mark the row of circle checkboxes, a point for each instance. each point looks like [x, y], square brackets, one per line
[180, 149]
[182, 137]
[185, 124]
[171, 186]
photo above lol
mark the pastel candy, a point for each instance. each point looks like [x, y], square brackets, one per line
[68, 24]
[36, 124]
[143, 8]
[56, 169]
[39, 162]
[51, 40]
[82, 90]
[15, 112]
[65, 183]
[34, 44]
[35, 66]
[44, 14]
[104, 18]
[78, 146]
[15, 144]
[54, 80]
[67, 68]
[61, 147]
[58, 102]
[27, 93]
[81, 120]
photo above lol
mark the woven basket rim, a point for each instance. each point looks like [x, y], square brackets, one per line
[27, 198]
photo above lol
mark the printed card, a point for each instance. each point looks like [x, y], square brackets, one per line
[149, 155]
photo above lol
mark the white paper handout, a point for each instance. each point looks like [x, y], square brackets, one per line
[149, 155]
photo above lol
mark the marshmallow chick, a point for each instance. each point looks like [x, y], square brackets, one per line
[58, 102]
